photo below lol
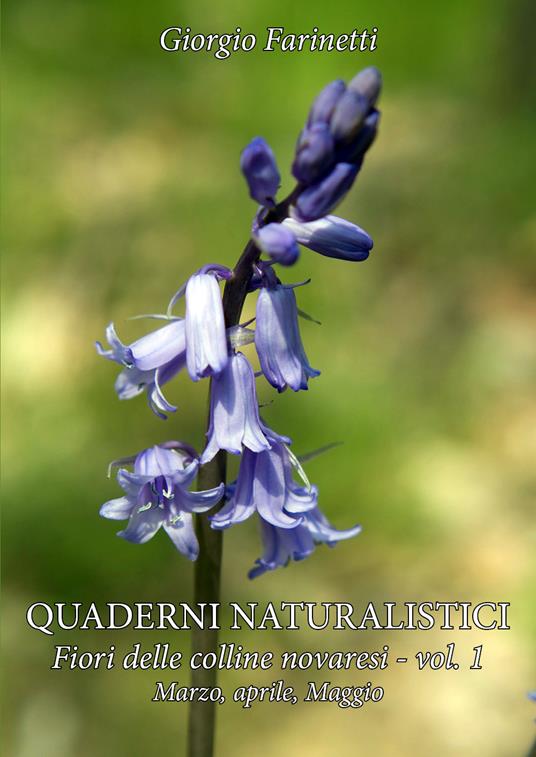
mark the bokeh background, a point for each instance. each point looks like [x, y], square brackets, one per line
[121, 177]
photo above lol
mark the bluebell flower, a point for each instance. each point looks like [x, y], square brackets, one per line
[157, 495]
[265, 484]
[278, 242]
[260, 169]
[284, 544]
[198, 341]
[333, 237]
[277, 339]
[234, 412]
[149, 362]
[206, 339]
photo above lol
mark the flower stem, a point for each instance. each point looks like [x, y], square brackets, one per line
[201, 724]
[207, 570]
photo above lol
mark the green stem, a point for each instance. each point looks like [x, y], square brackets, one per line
[207, 571]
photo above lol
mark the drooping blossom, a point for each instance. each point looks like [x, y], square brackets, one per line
[199, 341]
[206, 340]
[234, 412]
[265, 484]
[284, 544]
[149, 362]
[278, 341]
[157, 496]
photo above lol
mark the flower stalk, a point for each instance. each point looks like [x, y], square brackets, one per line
[206, 343]
[207, 568]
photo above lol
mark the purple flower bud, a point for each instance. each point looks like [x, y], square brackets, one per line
[278, 242]
[314, 153]
[368, 83]
[349, 115]
[260, 169]
[265, 484]
[234, 412]
[206, 341]
[326, 101]
[333, 237]
[284, 544]
[320, 198]
[156, 495]
[278, 342]
[355, 151]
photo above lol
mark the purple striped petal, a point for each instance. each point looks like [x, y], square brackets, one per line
[234, 412]
[278, 342]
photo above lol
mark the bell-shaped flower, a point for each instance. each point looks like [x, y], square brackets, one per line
[206, 340]
[265, 484]
[234, 411]
[333, 237]
[284, 544]
[260, 169]
[149, 362]
[157, 495]
[278, 341]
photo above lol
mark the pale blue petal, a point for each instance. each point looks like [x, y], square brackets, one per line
[182, 534]
[159, 347]
[117, 509]
[206, 340]
[200, 502]
[143, 525]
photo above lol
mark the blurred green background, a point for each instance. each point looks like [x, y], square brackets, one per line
[121, 177]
